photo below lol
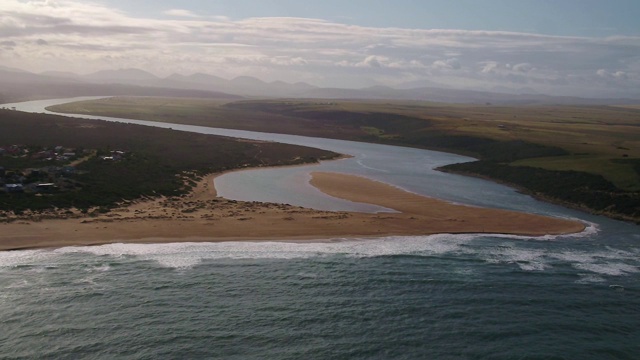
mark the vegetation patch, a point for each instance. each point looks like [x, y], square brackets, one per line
[573, 188]
[623, 173]
[129, 161]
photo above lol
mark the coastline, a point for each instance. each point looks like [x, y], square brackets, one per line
[202, 216]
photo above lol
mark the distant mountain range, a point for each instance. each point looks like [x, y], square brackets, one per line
[17, 85]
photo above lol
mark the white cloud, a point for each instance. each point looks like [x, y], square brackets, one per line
[620, 75]
[85, 36]
[220, 18]
[449, 64]
[181, 13]
[372, 61]
[489, 67]
[523, 67]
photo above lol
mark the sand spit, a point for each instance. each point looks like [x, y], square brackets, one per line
[202, 216]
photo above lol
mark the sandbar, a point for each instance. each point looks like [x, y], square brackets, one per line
[202, 216]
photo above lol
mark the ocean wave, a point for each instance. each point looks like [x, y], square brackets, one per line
[526, 259]
[607, 268]
[591, 229]
[11, 259]
[527, 256]
[608, 261]
[185, 255]
[589, 279]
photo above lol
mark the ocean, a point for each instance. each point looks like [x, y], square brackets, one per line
[435, 297]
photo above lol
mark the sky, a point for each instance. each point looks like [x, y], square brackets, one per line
[561, 47]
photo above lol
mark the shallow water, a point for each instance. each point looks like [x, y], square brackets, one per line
[442, 296]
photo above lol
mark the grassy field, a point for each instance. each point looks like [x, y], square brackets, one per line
[201, 112]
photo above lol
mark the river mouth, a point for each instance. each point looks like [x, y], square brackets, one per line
[410, 169]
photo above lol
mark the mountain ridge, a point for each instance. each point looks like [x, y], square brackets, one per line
[132, 81]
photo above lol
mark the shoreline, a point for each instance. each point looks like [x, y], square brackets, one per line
[202, 216]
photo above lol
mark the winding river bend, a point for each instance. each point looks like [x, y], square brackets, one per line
[442, 296]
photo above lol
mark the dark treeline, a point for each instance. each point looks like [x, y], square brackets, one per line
[578, 189]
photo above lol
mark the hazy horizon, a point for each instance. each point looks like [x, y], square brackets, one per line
[577, 48]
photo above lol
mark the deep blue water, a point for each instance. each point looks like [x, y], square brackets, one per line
[441, 297]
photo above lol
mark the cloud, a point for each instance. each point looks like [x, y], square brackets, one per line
[618, 75]
[181, 13]
[372, 62]
[449, 64]
[89, 36]
[523, 67]
[8, 44]
[220, 18]
[489, 67]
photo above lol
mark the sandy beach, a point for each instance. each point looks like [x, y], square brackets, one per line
[202, 216]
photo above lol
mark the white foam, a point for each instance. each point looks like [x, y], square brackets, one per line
[632, 254]
[589, 279]
[611, 268]
[607, 261]
[533, 266]
[611, 262]
[99, 268]
[590, 230]
[598, 256]
[185, 255]
[525, 259]
[9, 259]
[20, 284]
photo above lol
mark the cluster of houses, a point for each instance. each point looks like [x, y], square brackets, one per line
[58, 153]
[29, 177]
[40, 180]
[39, 170]
[115, 155]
